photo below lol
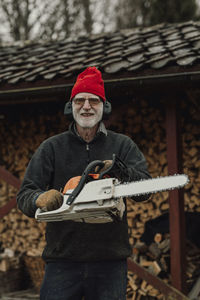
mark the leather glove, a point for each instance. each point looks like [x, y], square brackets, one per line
[50, 200]
[107, 164]
[114, 168]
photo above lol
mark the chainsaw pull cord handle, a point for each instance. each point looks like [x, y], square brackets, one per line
[87, 171]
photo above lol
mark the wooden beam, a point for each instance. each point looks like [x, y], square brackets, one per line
[176, 200]
[4, 210]
[9, 178]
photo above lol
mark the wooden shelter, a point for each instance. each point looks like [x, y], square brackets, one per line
[152, 80]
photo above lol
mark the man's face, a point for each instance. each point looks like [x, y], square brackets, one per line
[87, 109]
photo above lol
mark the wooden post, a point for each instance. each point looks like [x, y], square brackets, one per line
[176, 200]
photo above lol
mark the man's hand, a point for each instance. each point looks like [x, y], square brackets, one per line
[107, 164]
[114, 168]
[50, 200]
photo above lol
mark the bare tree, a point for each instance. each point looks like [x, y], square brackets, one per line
[22, 18]
[127, 13]
[46, 20]
[104, 15]
[87, 16]
[172, 11]
[35, 19]
[131, 13]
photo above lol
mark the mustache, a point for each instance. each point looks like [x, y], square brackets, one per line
[90, 111]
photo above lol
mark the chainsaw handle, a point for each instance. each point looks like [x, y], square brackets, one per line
[87, 171]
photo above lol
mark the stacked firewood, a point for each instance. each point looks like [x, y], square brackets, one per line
[144, 123]
[156, 259]
[19, 140]
[6, 192]
[191, 146]
[140, 212]
[21, 234]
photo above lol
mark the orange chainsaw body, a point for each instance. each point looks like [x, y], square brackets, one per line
[74, 181]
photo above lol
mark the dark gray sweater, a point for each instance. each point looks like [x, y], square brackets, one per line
[60, 158]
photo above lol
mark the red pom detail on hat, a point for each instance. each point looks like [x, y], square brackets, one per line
[89, 81]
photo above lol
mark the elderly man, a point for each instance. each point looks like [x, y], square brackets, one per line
[83, 260]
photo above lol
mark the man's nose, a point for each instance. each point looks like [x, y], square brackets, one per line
[86, 104]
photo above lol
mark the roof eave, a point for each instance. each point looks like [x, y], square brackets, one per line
[131, 85]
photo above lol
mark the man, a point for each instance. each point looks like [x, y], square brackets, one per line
[82, 259]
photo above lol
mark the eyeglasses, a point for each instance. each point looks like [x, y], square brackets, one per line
[92, 101]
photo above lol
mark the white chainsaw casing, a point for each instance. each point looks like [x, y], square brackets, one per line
[94, 204]
[97, 190]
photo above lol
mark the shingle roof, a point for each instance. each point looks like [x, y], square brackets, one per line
[152, 48]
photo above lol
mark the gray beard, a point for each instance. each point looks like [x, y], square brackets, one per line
[88, 124]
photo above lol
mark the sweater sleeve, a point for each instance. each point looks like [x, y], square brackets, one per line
[36, 180]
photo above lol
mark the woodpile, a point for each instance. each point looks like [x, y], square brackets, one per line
[24, 129]
[156, 259]
[11, 271]
[6, 193]
[139, 289]
[19, 139]
[20, 233]
[191, 146]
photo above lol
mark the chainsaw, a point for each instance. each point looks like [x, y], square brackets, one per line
[98, 198]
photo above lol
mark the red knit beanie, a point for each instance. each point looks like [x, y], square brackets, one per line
[89, 81]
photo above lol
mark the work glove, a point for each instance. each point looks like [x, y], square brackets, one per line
[114, 168]
[107, 165]
[50, 200]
